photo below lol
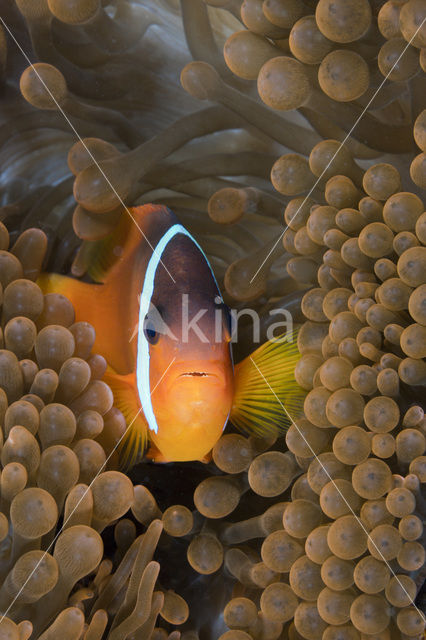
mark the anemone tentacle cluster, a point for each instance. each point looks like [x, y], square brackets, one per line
[302, 177]
[59, 486]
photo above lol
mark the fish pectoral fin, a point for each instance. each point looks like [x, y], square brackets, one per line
[267, 397]
[155, 454]
[207, 458]
[135, 439]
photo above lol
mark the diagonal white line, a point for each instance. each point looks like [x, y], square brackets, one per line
[339, 492]
[68, 121]
[340, 146]
[261, 266]
[3, 615]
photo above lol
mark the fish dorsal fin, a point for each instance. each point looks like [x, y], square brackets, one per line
[134, 442]
[267, 397]
[133, 230]
[117, 263]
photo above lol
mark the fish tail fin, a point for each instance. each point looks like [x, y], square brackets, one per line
[135, 439]
[267, 397]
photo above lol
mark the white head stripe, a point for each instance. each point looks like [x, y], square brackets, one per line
[142, 361]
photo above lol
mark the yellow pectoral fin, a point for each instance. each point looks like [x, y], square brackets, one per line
[134, 442]
[267, 397]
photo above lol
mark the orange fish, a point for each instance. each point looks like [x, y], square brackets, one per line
[165, 332]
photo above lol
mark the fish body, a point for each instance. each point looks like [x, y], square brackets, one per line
[164, 330]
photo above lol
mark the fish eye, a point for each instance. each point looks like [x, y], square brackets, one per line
[150, 332]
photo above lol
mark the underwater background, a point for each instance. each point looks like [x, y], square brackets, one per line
[288, 136]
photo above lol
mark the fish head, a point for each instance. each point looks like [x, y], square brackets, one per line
[187, 367]
[192, 399]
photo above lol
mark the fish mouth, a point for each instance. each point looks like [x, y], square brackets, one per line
[196, 374]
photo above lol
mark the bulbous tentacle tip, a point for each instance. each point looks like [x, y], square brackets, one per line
[43, 86]
[200, 80]
[102, 188]
[74, 13]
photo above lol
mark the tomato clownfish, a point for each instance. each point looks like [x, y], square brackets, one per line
[174, 381]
